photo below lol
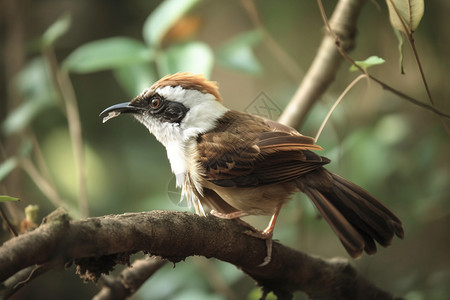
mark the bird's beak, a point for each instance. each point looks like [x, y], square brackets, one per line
[116, 110]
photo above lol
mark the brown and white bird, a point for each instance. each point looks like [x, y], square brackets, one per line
[241, 164]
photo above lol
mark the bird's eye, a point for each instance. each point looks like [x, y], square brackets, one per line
[155, 103]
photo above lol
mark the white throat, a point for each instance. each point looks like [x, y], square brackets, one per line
[180, 139]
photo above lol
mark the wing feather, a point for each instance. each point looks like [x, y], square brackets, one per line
[257, 152]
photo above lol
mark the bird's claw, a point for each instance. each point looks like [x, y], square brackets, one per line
[269, 244]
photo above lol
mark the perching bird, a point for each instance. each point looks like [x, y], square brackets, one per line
[241, 164]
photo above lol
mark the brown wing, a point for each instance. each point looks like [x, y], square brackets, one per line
[257, 152]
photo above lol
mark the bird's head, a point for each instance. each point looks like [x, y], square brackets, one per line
[175, 108]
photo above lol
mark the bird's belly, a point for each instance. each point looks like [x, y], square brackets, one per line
[261, 200]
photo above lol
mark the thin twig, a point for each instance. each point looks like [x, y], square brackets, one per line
[285, 60]
[383, 85]
[46, 188]
[40, 161]
[336, 38]
[28, 278]
[409, 34]
[8, 223]
[73, 118]
[23, 277]
[347, 89]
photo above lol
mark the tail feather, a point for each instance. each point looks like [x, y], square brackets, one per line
[357, 217]
[352, 240]
[363, 193]
[375, 206]
[362, 213]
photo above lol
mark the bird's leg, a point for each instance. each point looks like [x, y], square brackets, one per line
[271, 226]
[234, 216]
[267, 235]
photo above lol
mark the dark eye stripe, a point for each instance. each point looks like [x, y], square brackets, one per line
[170, 111]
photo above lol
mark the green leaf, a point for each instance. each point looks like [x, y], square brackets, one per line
[22, 116]
[4, 198]
[107, 54]
[410, 11]
[57, 29]
[195, 57]
[367, 63]
[163, 18]
[34, 84]
[237, 53]
[7, 167]
[135, 78]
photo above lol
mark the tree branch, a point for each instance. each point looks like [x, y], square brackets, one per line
[130, 279]
[97, 244]
[326, 63]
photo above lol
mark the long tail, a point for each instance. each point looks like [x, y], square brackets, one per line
[357, 217]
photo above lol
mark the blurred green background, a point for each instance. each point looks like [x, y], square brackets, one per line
[111, 50]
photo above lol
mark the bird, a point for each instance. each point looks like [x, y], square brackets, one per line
[233, 164]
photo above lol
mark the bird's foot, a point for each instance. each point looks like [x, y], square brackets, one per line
[228, 216]
[264, 235]
[267, 237]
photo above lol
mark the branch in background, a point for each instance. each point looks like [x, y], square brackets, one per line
[21, 278]
[42, 183]
[408, 31]
[344, 54]
[326, 63]
[62, 83]
[130, 279]
[5, 219]
[334, 47]
[97, 244]
[285, 60]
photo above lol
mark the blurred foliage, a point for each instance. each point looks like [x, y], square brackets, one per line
[34, 85]
[237, 54]
[107, 54]
[60, 27]
[113, 50]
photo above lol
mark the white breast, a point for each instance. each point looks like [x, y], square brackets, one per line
[180, 139]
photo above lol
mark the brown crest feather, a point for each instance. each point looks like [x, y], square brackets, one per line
[189, 81]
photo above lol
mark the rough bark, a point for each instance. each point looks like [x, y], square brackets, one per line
[97, 244]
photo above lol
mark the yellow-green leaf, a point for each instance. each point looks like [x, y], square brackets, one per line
[408, 11]
[368, 62]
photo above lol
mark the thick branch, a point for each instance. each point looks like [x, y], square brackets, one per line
[175, 236]
[326, 63]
